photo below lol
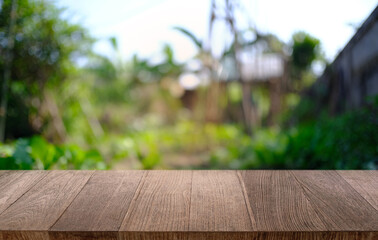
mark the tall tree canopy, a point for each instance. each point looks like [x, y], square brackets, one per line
[305, 50]
[45, 48]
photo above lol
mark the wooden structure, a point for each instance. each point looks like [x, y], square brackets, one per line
[188, 205]
[352, 78]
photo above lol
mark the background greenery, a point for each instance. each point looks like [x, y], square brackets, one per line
[69, 108]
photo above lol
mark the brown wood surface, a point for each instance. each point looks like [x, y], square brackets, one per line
[41, 206]
[336, 202]
[278, 202]
[24, 235]
[218, 203]
[101, 205]
[251, 236]
[162, 203]
[366, 186]
[14, 184]
[188, 205]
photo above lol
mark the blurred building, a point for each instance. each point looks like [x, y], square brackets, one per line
[353, 76]
[262, 70]
[259, 70]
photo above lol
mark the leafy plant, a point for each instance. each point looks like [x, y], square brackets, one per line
[37, 153]
[348, 141]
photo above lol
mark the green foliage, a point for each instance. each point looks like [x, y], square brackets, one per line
[346, 142]
[191, 36]
[114, 43]
[305, 50]
[37, 153]
[131, 112]
[21, 155]
[152, 145]
[262, 151]
[45, 49]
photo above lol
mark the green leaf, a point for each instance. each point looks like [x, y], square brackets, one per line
[42, 152]
[190, 35]
[21, 154]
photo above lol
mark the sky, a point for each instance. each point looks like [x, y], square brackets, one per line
[144, 26]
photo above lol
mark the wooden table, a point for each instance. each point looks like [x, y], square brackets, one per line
[188, 205]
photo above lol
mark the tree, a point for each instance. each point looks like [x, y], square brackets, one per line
[305, 50]
[226, 13]
[45, 49]
[8, 56]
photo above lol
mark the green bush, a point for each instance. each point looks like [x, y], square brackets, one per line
[37, 153]
[349, 141]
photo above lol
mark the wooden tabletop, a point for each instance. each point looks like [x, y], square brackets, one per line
[188, 205]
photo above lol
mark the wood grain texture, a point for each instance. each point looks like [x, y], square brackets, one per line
[42, 205]
[161, 203]
[217, 203]
[251, 236]
[13, 184]
[339, 206]
[365, 183]
[102, 204]
[93, 235]
[278, 203]
[24, 235]
[188, 205]
[193, 236]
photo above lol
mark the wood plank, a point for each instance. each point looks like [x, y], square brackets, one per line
[278, 202]
[201, 236]
[365, 183]
[24, 235]
[339, 206]
[13, 184]
[217, 203]
[188, 205]
[161, 203]
[100, 207]
[39, 208]
[73, 235]
[328, 235]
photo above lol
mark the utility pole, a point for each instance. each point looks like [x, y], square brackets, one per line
[7, 69]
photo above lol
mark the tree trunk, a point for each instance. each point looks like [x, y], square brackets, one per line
[7, 70]
[275, 100]
[57, 122]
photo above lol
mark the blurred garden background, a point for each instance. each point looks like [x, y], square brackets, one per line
[226, 92]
